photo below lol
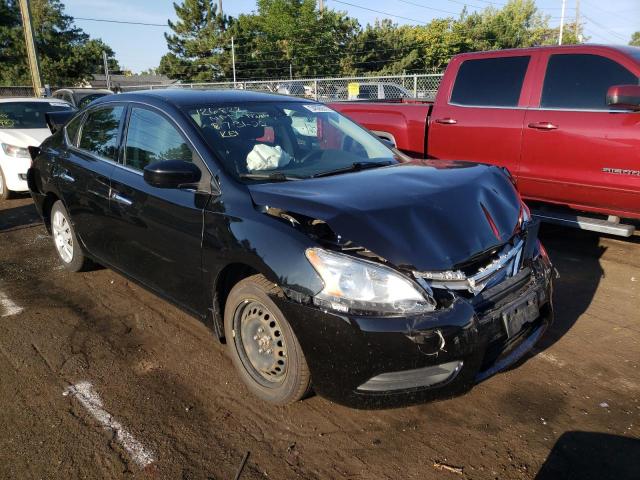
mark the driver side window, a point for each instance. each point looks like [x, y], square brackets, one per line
[152, 138]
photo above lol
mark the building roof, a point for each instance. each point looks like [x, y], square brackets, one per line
[100, 80]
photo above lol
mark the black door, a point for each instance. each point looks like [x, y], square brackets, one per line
[83, 173]
[159, 231]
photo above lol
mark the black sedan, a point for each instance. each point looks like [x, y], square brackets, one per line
[321, 257]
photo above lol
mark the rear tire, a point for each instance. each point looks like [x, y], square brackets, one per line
[5, 193]
[262, 345]
[65, 240]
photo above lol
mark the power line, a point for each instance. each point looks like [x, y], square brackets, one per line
[615, 34]
[609, 12]
[121, 21]
[381, 12]
[429, 8]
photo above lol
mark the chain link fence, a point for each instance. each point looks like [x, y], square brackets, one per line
[421, 86]
[18, 91]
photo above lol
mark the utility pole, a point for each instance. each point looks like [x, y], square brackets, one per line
[107, 78]
[220, 7]
[564, 4]
[290, 71]
[321, 5]
[578, 33]
[34, 66]
[233, 61]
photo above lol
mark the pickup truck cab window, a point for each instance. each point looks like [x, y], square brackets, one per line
[100, 132]
[495, 82]
[581, 81]
[152, 138]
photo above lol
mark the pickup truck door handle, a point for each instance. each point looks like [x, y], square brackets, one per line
[543, 126]
[446, 121]
[120, 198]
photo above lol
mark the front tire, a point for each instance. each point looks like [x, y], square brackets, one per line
[65, 240]
[262, 345]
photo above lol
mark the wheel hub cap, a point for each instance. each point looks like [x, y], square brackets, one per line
[62, 236]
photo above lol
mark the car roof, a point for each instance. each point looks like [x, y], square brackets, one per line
[33, 99]
[84, 90]
[187, 97]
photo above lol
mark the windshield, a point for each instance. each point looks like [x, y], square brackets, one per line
[16, 115]
[288, 140]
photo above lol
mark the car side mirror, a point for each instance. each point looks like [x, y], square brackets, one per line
[171, 174]
[624, 96]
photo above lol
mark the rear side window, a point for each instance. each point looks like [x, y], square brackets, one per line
[581, 81]
[100, 131]
[151, 138]
[491, 82]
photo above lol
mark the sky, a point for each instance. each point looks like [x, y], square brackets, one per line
[140, 47]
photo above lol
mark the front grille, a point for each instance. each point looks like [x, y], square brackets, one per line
[475, 276]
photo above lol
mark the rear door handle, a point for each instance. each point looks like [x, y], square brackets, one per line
[63, 174]
[66, 177]
[120, 198]
[543, 126]
[446, 121]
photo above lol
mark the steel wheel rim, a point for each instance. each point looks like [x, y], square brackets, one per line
[260, 343]
[62, 236]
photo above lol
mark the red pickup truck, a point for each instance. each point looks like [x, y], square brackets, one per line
[564, 120]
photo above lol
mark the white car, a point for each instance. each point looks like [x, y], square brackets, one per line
[22, 124]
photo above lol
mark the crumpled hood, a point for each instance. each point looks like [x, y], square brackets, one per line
[27, 137]
[416, 215]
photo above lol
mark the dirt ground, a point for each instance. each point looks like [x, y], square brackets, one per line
[172, 398]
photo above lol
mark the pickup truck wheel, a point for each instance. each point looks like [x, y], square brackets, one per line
[262, 345]
[65, 240]
[5, 193]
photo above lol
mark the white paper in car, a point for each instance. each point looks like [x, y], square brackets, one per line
[317, 108]
[266, 157]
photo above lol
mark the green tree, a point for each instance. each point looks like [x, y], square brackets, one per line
[635, 39]
[67, 55]
[286, 36]
[387, 48]
[196, 46]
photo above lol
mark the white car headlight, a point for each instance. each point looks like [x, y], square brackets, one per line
[360, 286]
[14, 151]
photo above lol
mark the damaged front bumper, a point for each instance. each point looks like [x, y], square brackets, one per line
[370, 362]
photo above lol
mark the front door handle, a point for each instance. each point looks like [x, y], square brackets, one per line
[543, 126]
[446, 121]
[120, 198]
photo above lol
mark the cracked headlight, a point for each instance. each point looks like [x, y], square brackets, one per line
[359, 286]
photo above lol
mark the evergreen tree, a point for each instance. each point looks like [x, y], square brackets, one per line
[197, 44]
